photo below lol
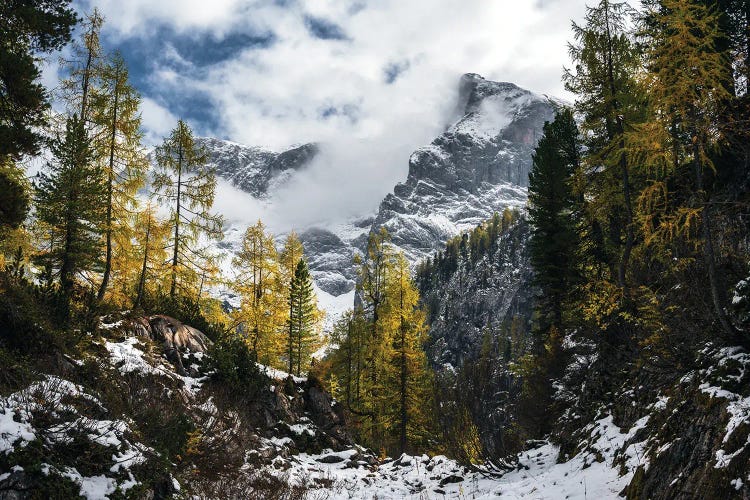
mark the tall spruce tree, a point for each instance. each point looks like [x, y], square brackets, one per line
[187, 185]
[69, 200]
[302, 334]
[551, 204]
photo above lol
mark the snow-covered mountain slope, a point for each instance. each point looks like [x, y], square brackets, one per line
[478, 166]
[253, 169]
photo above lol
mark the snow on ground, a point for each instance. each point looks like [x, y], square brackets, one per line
[279, 375]
[538, 475]
[59, 400]
[334, 306]
[127, 358]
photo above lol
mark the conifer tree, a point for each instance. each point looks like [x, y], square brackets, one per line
[69, 200]
[115, 112]
[686, 80]
[302, 334]
[187, 185]
[606, 61]
[553, 240]
[263, 310]
[409, 387]
[84, 68]
[28, 30]
[289, 258]
[373, 272]
[151, 247]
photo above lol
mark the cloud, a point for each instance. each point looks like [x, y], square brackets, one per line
[371, 80]
[157, 121]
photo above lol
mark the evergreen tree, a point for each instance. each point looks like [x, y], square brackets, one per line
[14, 200]
[69, 201]
[187, 185]
[302, 319]
[27, 29]
[553, 241]
[115, 112]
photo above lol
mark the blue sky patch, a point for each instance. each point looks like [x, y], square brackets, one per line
[324, 29]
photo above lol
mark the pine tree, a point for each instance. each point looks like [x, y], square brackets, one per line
[553, 241]
[302, 319]
[69, 200]
[115, 112]
[187, 185]
[28, 30]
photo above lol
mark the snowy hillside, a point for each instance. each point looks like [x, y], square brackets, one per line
[86, 426]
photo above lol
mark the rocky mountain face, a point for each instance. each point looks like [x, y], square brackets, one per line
[478, 166]
[254, 169]
[492, 295]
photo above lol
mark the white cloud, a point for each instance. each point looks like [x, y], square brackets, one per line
[277, 96]
[157, 121]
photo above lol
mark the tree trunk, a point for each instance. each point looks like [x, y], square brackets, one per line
[403, 413]
[110, 189]
[714, 278]
[144, 267]
[173, 289]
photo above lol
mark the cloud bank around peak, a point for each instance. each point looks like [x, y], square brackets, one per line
[371, 79]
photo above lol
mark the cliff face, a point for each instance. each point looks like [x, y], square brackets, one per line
[492, 295]
[478, 166]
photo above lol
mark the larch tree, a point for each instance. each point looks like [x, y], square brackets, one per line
[606, 61]
[410, 381]
[187, 185]
[115, 112]
[686, 79]
[371, 286]
[289, 258]
[263, 310]
[151, 250]
[84, 67]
